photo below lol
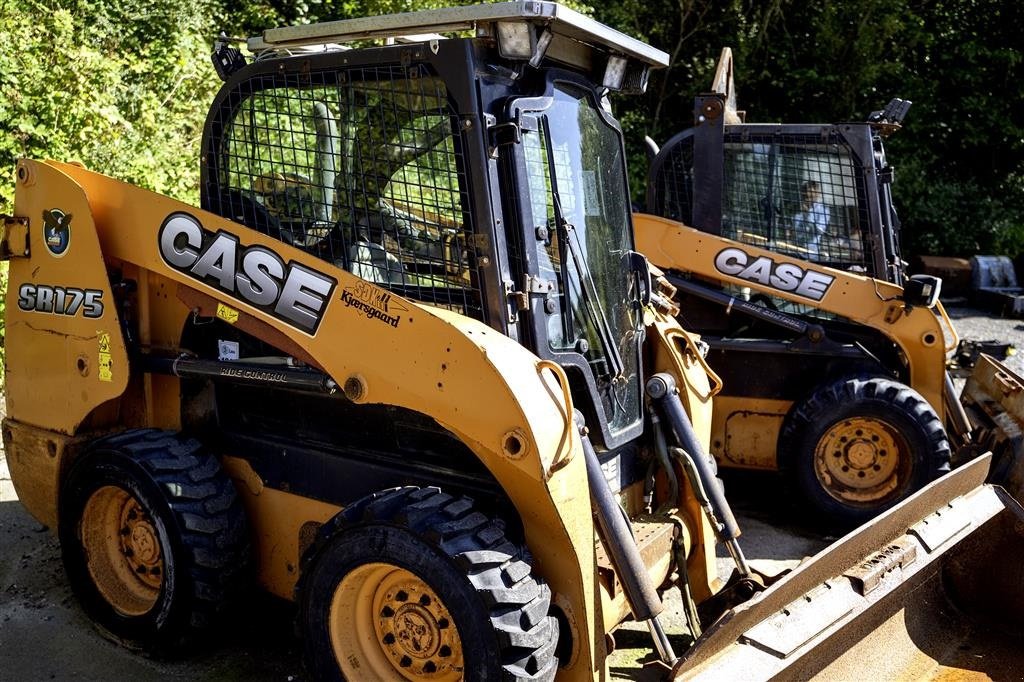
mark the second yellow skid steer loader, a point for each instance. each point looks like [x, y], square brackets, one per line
[784, 245]
[404, 367]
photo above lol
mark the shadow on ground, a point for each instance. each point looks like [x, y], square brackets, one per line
[45, 636]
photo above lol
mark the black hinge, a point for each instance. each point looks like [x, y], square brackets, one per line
[533, 286]
[226, 59]
[510, 132]
[504, 133]
[885, 175]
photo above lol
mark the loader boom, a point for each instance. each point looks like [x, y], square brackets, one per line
[923, 336]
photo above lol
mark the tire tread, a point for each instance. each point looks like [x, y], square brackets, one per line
[518, 603]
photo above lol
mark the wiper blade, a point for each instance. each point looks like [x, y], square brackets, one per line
[591, 299]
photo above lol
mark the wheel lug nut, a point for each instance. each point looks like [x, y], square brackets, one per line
[405, 662]
[442, 623]
[389, 638]
[429, 667]
[860, 474]
[445, 651]
[387, 612]
[402, 595]
[425, 600]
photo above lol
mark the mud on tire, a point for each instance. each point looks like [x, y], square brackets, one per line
[482, 584]
[858, 446]
[153, 538]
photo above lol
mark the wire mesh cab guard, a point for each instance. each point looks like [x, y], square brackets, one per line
[807, 191]
[362, 167]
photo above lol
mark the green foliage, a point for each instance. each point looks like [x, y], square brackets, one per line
[121, 86]
[961, 155]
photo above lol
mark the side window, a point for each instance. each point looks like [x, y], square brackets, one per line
[362, 169]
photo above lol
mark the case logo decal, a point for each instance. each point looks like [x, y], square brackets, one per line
[782, 276]
[57, 231]
[291, 292]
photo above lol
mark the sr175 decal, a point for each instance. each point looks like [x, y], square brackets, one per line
[43, 298]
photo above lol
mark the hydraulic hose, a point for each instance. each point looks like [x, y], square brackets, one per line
[629, 566]
[661, 388]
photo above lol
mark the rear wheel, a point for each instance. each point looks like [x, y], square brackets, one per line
[153, 538]
[858, 446]
[412, 584]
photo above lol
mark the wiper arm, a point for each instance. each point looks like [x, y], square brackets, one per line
[591, 299]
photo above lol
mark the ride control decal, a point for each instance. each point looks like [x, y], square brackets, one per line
[376, 304]
[293, 293]
[43, 298]
[782, 276]
[56, 231]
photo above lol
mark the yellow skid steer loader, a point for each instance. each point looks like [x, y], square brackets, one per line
[783, 243]
[404, 367]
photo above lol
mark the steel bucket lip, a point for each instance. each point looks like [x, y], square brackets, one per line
[966, 482]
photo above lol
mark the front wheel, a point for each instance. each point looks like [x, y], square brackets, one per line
[153, 538]
[412, 584]
[857, 446]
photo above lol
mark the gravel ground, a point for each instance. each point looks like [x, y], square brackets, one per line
[44, 635]
[975, 324]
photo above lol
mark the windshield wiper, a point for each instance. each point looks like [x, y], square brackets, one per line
[588, 291]
[591, 299]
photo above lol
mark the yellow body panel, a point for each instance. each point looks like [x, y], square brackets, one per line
[918, 332]
[745, 431]
[276, 521]
[60, 365]
[37, 459]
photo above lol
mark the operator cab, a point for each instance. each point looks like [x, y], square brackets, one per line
[464, 158]
[817, 192]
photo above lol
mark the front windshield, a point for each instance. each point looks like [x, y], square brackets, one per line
[587, 247]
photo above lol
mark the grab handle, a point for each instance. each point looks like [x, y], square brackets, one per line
[563, 383]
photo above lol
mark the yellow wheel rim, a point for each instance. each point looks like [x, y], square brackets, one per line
[388, 624]
[122, 550]
[864, 460]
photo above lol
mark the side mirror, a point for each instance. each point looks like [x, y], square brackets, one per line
[922, 291]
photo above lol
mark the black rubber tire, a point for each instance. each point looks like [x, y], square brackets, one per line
[501, 611]
[200, 526]
[874, 397]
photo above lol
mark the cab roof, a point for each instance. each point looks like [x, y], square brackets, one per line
[523, 29]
